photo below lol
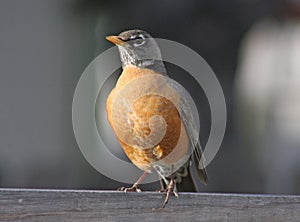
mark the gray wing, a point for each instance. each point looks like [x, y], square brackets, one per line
[195, 143]
[189, 115]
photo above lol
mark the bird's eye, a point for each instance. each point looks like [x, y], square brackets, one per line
[139, 40]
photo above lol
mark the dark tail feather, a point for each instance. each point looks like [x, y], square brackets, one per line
[201, 172]
[186, 184]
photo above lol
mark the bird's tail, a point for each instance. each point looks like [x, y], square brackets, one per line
[185, 182]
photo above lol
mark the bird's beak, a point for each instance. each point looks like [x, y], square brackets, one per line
[115, 39]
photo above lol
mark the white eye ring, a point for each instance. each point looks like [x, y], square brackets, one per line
[136, 44]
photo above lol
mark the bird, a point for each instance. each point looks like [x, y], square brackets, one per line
[170, 150]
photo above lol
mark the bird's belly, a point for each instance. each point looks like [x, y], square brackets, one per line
[154, 130]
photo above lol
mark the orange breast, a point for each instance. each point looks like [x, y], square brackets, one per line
[144, 112]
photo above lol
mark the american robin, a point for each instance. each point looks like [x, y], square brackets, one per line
[172, 165]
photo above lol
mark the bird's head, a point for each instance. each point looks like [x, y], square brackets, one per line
[138, 48]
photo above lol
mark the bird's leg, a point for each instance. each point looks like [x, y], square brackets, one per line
[162, 184]
[170, 189]
[135, 186]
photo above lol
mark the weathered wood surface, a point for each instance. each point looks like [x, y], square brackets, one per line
[82, 205]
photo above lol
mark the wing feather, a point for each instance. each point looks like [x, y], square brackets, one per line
[188, 116]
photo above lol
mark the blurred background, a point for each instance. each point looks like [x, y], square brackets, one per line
[253, 46]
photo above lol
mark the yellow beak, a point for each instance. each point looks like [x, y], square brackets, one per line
[114, 39]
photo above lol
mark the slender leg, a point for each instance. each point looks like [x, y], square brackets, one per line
[135, 186]
[162, 184]
[170, 189]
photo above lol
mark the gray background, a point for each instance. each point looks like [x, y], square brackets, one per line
[46, 45]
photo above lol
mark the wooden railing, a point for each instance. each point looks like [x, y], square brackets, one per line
[86, 205]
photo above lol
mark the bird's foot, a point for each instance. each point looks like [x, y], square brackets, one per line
[169, 190]
[134, 188]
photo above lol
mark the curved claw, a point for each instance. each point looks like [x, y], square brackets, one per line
[134, 188]
[168, 191]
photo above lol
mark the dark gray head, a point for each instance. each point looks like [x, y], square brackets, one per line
[138, 48]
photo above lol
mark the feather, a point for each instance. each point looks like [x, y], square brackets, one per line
[187, 115]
